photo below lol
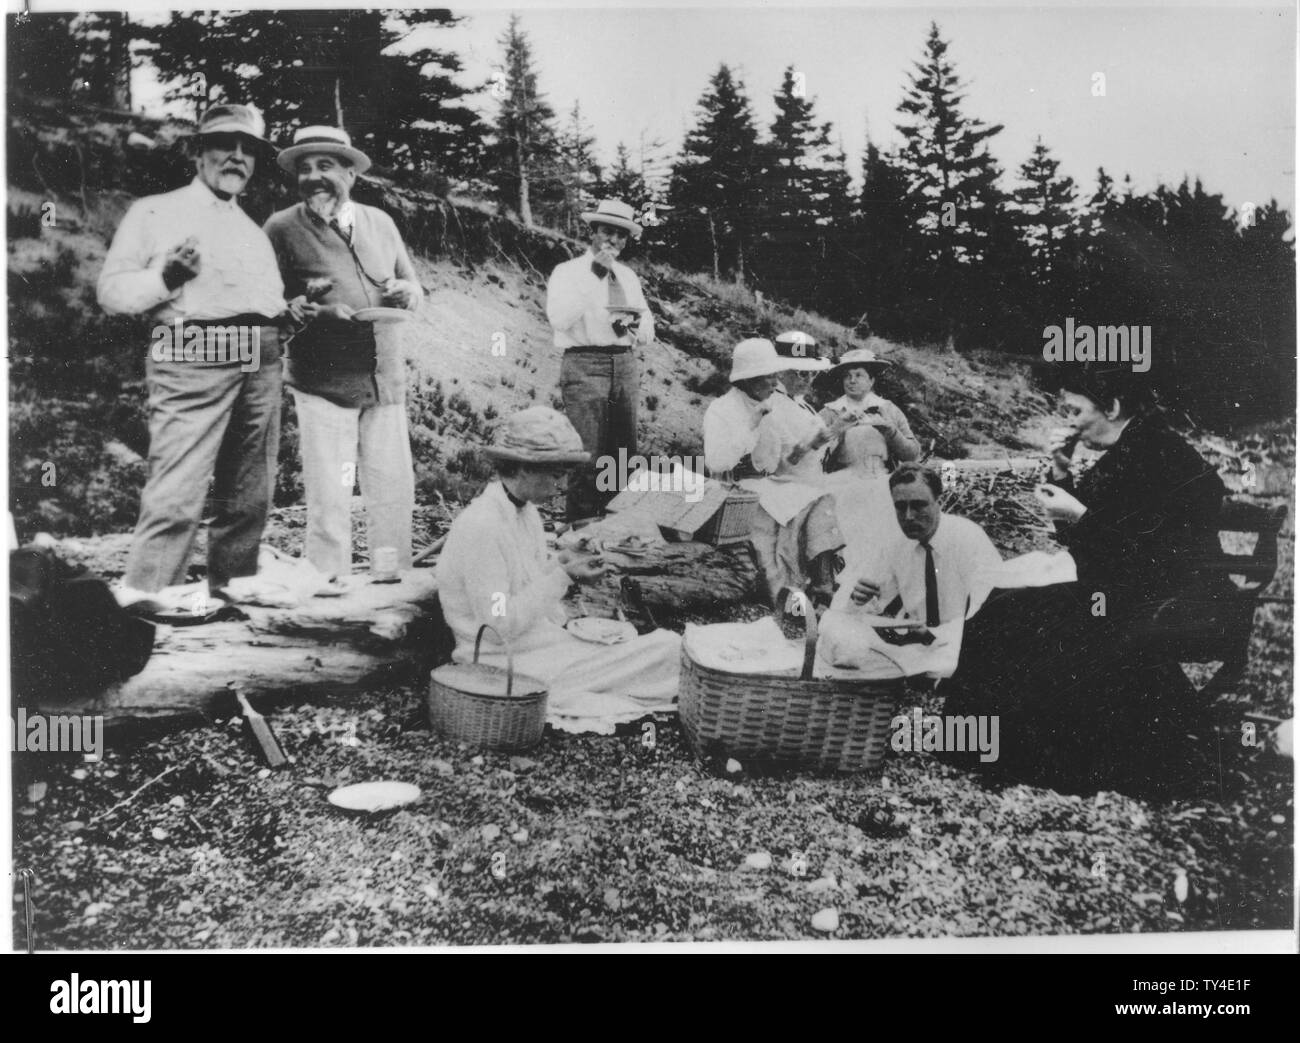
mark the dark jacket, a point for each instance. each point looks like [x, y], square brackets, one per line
[1152, 521]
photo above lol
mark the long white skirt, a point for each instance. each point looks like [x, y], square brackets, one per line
[595, 687]
[865, 510]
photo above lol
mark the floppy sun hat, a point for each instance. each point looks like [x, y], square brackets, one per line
[538, 436]
[612, 212]
[315, 140]
[757, 357]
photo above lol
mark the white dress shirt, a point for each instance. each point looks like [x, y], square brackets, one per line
[237, 267]
[577, 305]
[961, 548]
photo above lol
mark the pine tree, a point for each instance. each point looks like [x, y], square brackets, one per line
[526, 152]
[886, 246]
[579, 171]
[621, 180]
[716, 182]
[1045, 211]
[354, 69]
[44, 56]
[952, 178]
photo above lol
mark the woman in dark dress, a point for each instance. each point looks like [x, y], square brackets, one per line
[1086, 698]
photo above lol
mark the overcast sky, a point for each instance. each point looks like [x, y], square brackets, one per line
[1202, 90]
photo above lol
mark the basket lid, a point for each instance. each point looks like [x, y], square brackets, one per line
[482, 679]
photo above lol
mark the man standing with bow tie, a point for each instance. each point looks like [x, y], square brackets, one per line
[348, 377]
[599, 314]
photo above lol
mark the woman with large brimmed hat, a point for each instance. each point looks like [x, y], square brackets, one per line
[877, 439]
[761, 439]
[496, 568]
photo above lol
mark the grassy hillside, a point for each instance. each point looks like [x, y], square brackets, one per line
[480, 346]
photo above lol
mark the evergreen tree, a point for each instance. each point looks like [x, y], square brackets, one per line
[952, 178]
[886, 247]
[579, 171]
[1045, 210]
[624, 181]
[806, 205]
[44, 57]
[526, 152]
[353, 69]
[716, 183]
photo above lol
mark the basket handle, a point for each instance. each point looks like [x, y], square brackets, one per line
[510, 656]
[810, 633]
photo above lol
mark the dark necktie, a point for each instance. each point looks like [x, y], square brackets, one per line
[931, 588]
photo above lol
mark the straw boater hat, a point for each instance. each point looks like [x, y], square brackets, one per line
[612, 212]
[861, 357]
[757, 357]
[538, 436]
[234, 119]
[330, 140]
[801, 350]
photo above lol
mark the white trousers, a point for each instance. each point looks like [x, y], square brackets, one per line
[338, 447]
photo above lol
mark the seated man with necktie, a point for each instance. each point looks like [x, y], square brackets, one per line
[928, 569]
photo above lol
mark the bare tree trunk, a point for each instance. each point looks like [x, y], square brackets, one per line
[119, 60]
[338, 104]
[713, 239]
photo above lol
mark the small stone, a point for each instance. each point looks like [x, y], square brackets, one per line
[158, 833]
[733, 766]
[265, 773]
[758, 860]
[185, 908]
[442, 767]
[177, 801]
[490, 833]
[79, 774]
[431, 891]
[825, 883]
[826, 921]
[520, 837]
[1017, 872]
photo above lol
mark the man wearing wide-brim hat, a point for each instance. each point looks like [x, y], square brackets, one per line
[599, 315]
[758, 436]
[496, 569]
[348, 376]
[205, 275]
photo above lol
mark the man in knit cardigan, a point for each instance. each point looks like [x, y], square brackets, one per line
[348, 377]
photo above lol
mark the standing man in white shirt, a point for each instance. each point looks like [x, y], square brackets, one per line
[193, 259]
[599, 315]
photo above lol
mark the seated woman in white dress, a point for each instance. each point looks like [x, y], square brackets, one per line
[878, 438]
[758, 437]
[496, 569]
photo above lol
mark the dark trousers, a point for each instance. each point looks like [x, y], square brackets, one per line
[600, 399]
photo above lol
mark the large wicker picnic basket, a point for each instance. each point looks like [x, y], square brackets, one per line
[486, 706]
[826, 724]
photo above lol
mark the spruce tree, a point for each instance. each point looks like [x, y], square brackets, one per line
[1045, 211]
[579, 171]
[716, 182]
[526, 152]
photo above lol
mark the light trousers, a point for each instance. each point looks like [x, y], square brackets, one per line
[207, 424]
[340, 446]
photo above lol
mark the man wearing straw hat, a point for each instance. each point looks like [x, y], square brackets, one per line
[599, 314]
[348, 377]
[771, 446]
[194, 263]
[496, 569]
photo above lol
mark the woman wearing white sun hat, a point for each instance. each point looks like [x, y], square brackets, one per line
[770, 445]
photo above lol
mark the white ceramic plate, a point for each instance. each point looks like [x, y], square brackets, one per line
[374, 796]
[381, 315]
[601, 631]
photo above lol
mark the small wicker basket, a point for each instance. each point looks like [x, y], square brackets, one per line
[478, 704]
[826, 724]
